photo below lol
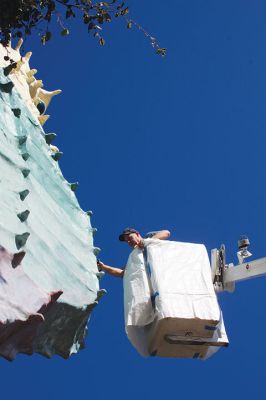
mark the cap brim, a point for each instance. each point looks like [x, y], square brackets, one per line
[126, 232]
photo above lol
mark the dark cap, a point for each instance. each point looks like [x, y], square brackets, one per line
[125, 232]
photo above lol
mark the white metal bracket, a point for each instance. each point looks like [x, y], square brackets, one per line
[225, 275]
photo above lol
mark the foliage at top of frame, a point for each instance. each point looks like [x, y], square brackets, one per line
[20, 18]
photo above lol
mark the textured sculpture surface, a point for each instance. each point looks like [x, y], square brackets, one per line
[45, 302]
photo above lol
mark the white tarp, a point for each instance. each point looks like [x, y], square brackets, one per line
[169, 280]
[137, 295]
[180, 274]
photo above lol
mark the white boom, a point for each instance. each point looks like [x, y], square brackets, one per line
[225, 275]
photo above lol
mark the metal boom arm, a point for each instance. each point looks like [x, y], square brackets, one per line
[244, 271]
[225, 275]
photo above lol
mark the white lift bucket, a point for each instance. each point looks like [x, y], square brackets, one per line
[171, 308]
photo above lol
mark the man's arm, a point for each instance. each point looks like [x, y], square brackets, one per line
[111, 270]
[158, 235]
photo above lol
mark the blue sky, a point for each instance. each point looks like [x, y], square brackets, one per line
[176, 143]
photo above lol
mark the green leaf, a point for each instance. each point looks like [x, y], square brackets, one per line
[90, 26]
[107, 17]
[125, 11]
[65, 32]
[102, 42]
[47, 36]
[43, 39]
[161, 51]
[86, 18]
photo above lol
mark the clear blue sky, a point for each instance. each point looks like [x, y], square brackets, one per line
[176, 143]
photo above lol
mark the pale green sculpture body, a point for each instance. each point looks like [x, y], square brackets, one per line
[40, 215]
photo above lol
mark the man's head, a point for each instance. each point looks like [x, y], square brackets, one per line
[131, 236]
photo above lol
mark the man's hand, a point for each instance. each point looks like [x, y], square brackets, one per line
[100, 265]
[110, 270]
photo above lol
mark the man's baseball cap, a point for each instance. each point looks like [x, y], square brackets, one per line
[125, 232]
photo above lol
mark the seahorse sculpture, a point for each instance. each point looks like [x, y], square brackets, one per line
[49, 281]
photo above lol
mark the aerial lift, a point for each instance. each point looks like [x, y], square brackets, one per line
[167, 337]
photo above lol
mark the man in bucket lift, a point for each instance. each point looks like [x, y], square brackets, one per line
[133, 239]
[167, 312]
